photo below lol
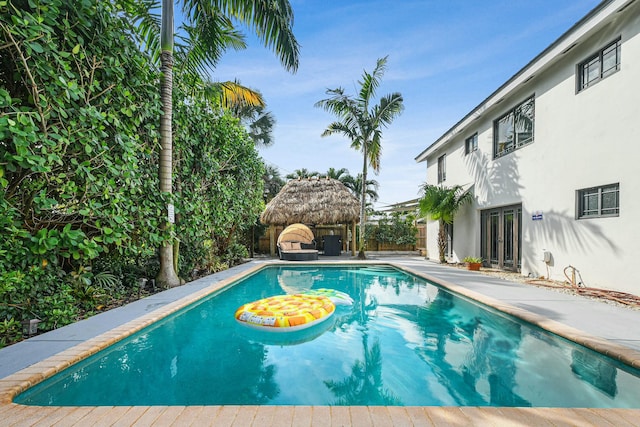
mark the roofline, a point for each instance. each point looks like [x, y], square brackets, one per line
[401, 206]
[528, 71]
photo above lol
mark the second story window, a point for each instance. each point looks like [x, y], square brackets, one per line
[442, 172]
[599, 66]
[514, 129]
[471, 144]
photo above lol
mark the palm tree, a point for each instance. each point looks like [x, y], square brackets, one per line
[371, 187]
[302, 173]
[257, 120]
[441, 204]
[339, 174]
[211, 31]
[273, 182]
[362, 123]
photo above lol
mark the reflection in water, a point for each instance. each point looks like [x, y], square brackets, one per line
[594, 371]
[402, 342]
[365, 385]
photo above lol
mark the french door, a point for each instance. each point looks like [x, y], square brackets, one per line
[500, 236]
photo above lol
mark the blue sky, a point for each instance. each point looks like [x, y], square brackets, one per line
[445, 57]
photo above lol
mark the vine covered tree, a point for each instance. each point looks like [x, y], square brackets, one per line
[210, 29]
[362, 122]
[79, 116]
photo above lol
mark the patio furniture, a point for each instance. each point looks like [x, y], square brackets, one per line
[297, 243]
[332, 245]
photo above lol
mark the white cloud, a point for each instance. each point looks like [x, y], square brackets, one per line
[444, 57]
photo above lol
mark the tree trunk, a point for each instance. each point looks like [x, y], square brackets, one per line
[167, 276]
[442, 242]
[363, 201]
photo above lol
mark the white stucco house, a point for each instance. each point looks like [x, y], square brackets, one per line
[552, 158]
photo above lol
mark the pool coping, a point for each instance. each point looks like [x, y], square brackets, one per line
[15, 383]
[615, 351]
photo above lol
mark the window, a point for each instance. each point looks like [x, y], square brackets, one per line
[598, 201]
[514, 129]
[471, 144]
[442, 173]
[599, 66]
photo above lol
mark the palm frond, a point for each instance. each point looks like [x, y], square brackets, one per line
[272, 21]
[442, 203]
[141, 15]
[371, 82]
[260, 129]
[198, 48]
[390, 107]
[235, 95]
[106, 280]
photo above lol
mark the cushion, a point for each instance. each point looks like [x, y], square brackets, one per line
[285, 246]
[295, 246]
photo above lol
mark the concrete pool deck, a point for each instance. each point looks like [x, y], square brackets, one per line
[610, 329]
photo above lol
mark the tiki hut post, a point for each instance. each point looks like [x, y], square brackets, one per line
[345, 232]
[353, 239]
[272, 240]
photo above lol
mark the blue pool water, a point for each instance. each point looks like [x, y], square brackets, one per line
[404, 342]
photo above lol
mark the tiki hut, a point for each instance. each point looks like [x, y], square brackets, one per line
[312, 201]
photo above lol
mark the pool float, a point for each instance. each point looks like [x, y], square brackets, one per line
[336, 297]
[283, 313]
[378, 271]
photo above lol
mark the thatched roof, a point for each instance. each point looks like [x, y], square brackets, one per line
[312, 201]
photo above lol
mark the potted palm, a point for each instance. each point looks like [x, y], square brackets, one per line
[473, 263]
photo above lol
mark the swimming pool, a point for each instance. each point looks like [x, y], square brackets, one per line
[403, 342]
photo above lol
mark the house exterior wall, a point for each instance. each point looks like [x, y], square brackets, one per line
[581, 140]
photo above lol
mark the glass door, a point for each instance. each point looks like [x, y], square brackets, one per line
[501, 236]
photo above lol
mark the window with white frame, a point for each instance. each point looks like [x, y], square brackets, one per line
[597, 202]
[471, 144]
[514, 129]
[442, 171]
[599, 66]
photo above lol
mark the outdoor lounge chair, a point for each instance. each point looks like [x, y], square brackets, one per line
[297, 251]
[296, 243]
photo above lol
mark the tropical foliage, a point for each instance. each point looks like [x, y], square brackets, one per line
[209, 29]
[272, 181]
[362, 122]
[79, 147]
[302, 173]
[442, 204]
[396, 229]
[258, 121]
[371, 187]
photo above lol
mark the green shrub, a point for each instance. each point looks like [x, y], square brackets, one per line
[10, 331]
[80, 210]
[395, 229]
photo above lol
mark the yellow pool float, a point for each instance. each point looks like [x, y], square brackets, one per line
[286, 312]
[336, 297]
